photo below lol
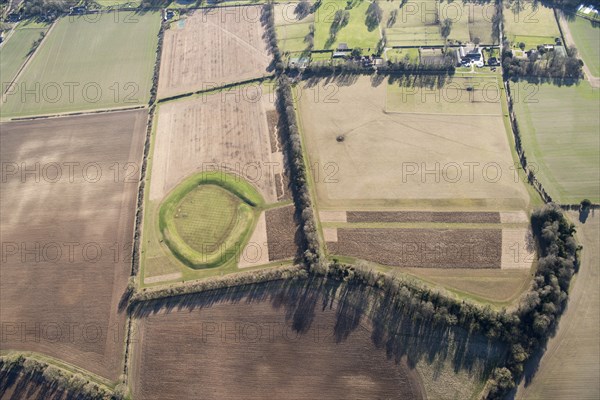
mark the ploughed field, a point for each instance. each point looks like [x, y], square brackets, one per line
[68, 198]
[295, 339]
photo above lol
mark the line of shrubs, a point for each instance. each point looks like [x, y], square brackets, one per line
[520, 151]
[292, 144]
[227, 281]
[387, 68]
[139, 214]
[77, 385]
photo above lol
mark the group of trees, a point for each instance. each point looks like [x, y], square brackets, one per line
[543, 64]
[525, 331]
[46, 8]
[340, 20]
[541, 307]
[374, 16]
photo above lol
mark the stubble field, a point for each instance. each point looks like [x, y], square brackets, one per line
[410, 146]
[233, 131]
[67, 231]
[391, 171]
[211, 48]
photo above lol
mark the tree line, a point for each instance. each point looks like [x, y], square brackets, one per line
[73, 383]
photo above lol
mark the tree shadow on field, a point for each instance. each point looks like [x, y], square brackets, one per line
[339, 79]
[405, 336]
[16, 385]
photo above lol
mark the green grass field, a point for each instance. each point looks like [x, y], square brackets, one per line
[291, 31]
[355, 34]
[208, 218]
[587, 41]
[418, 23]
[396, 55]
[17, 48]
[208, 215]
[559, 127]
[88, 64]
[532, 25]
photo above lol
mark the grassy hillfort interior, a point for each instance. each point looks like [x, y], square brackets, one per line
[358, 199]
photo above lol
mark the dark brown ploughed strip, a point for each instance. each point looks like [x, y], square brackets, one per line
[424, 216]
[429, 248]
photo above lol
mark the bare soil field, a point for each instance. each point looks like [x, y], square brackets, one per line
[67, 231]
[213, 47]
[247, 361]
[569, 367]
[286, 340]
[281, 233]
[429, 248]
[408, 146]
[423, 216]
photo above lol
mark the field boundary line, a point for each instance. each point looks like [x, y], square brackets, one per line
[27, 61]
[452, 114]
[214, 89]
[139, 212]
[77, 113]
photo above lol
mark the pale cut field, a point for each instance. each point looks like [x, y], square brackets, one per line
[569, 368]
[386, 131]
[68, 301]
[211, 48]
[532, 24]
[227, 129]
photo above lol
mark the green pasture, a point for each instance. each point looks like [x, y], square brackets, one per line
[559, 128]
[17, 48]
[587, 40]
[89, 62]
